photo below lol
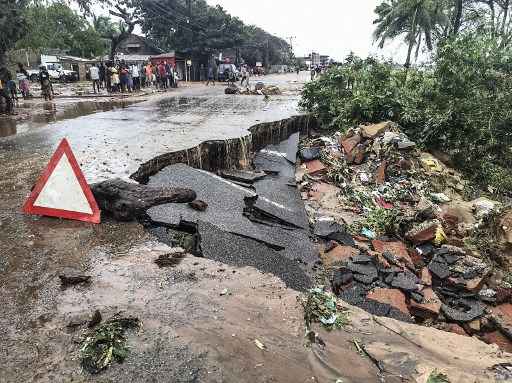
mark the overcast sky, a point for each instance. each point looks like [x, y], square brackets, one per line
[332, 27]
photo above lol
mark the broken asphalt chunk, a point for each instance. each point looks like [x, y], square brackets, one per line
[244, 176]
[405, 281]
[72, 280]
[463, 310]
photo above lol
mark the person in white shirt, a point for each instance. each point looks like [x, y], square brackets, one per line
[94, 72]
[134, 69]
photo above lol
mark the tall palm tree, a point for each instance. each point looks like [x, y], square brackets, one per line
[417, 19]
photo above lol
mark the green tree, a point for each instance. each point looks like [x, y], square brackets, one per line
[13, 25]
[58, 26]
[418, 20]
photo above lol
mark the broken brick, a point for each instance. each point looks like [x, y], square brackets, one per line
[315, 167]
[349, 143]
[380, 175]
[339, 254]
[372, 131]
[426, 277]
[393, 297]
[451, 219]
[498, 339]
[456, 329]
[503, 295]
[430, 307]
[424, 233]
[397, 248]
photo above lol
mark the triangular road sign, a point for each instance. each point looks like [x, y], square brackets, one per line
[62, 190]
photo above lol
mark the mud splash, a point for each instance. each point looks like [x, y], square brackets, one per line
[235, 153]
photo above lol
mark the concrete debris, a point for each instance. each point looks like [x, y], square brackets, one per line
[413, 232]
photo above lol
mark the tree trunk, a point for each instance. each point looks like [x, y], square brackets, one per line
[457, 21]
[505, 16]
[412, 40]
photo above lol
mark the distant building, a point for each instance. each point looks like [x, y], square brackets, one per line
[138, 45]
[316, 59]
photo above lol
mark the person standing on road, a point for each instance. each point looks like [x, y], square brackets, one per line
[94, 72]
[244, 76]
[162, 75]
[115, 80]
[168, 75]
[24, 81]
[135, 77]
[149, 74]
[211, 76]
[46, 84]
[102, 71]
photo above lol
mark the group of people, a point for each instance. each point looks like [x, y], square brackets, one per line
[122, 77]
[10, 86]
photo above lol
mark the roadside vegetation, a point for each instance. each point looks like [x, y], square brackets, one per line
[457, 103]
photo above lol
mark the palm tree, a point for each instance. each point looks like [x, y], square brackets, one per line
[417, 19]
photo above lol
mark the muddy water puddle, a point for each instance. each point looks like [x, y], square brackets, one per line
[47, 113]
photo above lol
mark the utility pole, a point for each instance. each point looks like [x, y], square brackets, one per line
[190, 38]
[291, 38]
[267, 56]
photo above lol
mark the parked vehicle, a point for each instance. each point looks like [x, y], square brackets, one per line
[224, 68]
[57, 73]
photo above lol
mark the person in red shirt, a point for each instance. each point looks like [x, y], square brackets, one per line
[162, 75]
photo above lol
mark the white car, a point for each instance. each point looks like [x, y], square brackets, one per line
[56, 72]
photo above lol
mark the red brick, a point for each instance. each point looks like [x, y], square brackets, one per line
[315, 167]
[397, 248]
[349, 143]
[380, 175]
[392, 297]
[456, 329]
[425, 235]
[499, 339]
[430, 307]
[339, 254]
[426, 277]
[504, 311]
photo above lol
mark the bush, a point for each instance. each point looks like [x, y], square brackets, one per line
[461, 104]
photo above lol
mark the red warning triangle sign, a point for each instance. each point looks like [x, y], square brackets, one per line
[62, 190]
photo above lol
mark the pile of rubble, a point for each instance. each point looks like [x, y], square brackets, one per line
[259, 89]
[399, 240]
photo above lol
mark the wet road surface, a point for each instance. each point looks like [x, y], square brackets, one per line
[34, 250]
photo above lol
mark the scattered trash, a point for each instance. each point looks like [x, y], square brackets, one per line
[437, 377]
[260, 345]
[106, 343]
[322, 307]
[224, 292]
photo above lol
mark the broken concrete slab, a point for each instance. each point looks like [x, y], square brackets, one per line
[245, 176]
[273, 162]
[372, 131]
[234, 250]
[277, 197]
[287, 148]
[127, 201]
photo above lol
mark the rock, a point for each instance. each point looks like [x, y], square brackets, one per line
[397, 248]
[310, 154]
[232, 89]
[394, 298]
[127, 201]
[424, 232]
[465, 310]
[259, 86]
[340, 278]
[380, 175]
[339, 254]
[315, 167]
[506, 226]
[405, 281]
[372, 131]
[499, 339]
[349, 143]
[323, 228]
[198, 205]
[439, 267]
[426, 277]
[72, 280]
[429, 307]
